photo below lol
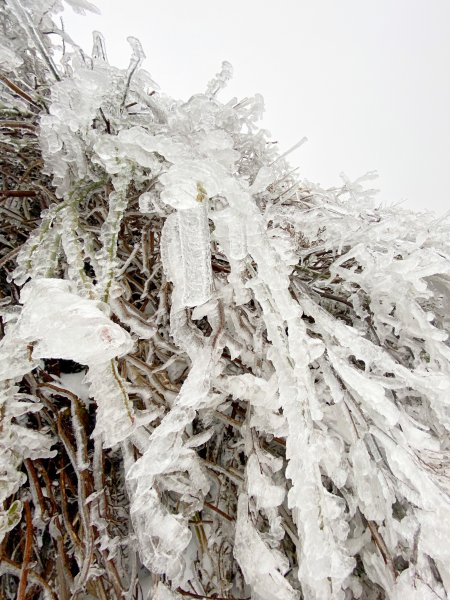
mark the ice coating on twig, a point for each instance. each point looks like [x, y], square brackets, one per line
[60, 324]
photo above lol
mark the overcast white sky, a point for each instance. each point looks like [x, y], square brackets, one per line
[367, 81]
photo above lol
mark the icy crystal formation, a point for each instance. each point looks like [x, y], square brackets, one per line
[216, 380]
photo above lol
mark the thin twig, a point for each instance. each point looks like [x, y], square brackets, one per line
[9, 566]
[17, 193]
[21, 593]
[19, 91]
[194, 595]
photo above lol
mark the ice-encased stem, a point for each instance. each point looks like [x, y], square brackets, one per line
[323, 563]
[107, 257]
[195, 255]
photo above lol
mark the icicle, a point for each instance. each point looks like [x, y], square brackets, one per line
[99, 47]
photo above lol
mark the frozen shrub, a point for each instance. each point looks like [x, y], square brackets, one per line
[216, 381]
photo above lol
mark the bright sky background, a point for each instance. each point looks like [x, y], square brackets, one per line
[367, 81]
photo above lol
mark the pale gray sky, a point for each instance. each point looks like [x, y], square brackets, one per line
[367, 81]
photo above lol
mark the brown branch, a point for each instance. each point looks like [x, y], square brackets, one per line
[34, 481]
[107, 122]
[9, 566]
[219, 512]
[5, 259]
[19, 125]
[19, 91]
[381, 545]
[21, 593]
[194, 595]
[65, 510]
[17, 193]
[221, 268]
[333, 297]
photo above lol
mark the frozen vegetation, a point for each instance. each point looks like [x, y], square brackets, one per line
[216, 380]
